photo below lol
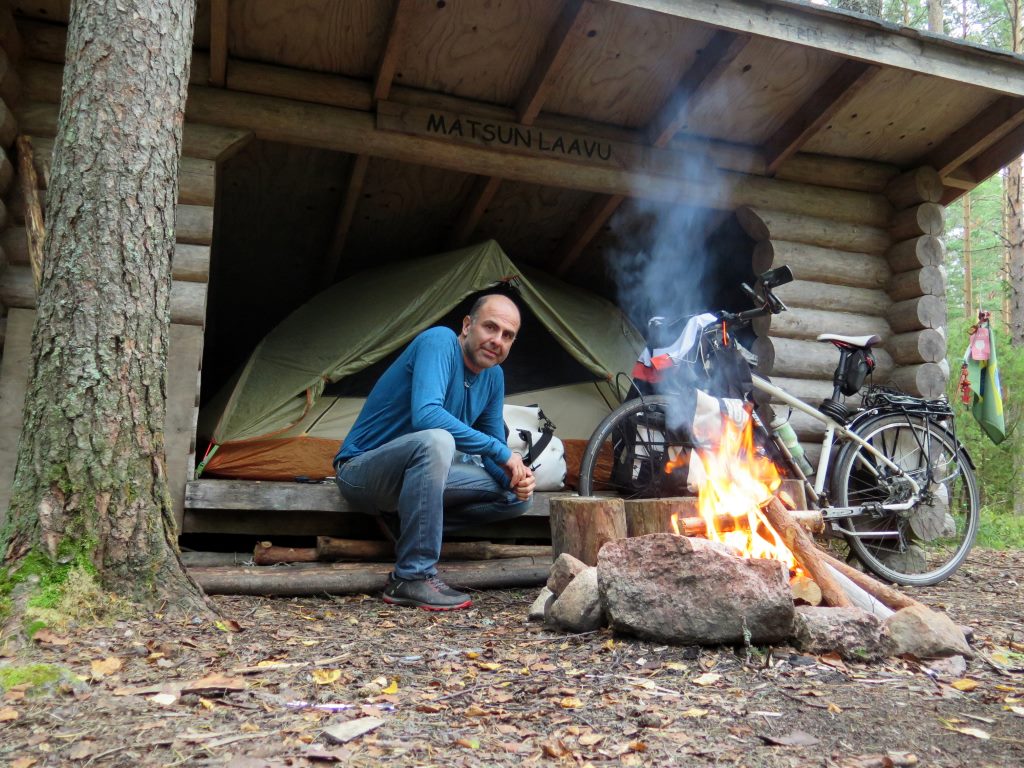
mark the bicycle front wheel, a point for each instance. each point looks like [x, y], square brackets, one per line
[927, 543]
[635, 453]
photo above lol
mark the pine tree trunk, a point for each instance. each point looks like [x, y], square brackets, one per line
[968, 267]
[935, 16]
[91, 470]
[1015, 251]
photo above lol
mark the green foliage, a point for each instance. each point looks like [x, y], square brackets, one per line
[996, 465]
[36, 675]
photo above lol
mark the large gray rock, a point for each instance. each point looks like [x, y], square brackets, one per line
[578, 608]
[926, 634]
[563, 570]
[853, 633]
[691, 592]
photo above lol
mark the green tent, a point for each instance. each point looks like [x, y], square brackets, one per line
[261, 423]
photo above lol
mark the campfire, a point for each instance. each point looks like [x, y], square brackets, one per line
[734, 485]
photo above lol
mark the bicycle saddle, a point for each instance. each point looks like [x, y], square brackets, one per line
[854, 341]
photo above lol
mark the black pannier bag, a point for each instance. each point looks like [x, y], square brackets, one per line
[850, 378]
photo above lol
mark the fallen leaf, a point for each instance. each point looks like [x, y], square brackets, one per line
[429, 708]
[249, 728]
[228, 625]
[834, 709]
[472, 655]
[352, 729]
[975, 732]
[1018, 711]
[695, 712]
[23, 762]
[553, 749]
[590, 739]
[793, 739]
[214, 682]
[104, 667]
[326, 676]
[46, 637]
[468, 743]
[708, 678]
[8, 713]
[490, 666]
[83, 750]
[570, 702]
[965, 684]
[392, 688]
[164, 699]
[206, 703]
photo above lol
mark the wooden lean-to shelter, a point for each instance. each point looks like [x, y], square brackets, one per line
[323, 138]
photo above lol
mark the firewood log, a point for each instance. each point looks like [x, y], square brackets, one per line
[330, 548]
[581, 525]
[806, 552]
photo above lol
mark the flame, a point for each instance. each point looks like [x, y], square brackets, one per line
[735, 482]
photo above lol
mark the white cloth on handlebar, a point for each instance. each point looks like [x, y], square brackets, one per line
[709, 414]
[684, 343]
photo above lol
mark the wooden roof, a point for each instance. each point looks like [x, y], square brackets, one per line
[685, 91]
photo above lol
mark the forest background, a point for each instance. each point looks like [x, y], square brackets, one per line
[983, 239]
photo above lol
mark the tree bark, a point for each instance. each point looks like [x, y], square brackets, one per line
[90, 481]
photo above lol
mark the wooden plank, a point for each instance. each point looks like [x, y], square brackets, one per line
[14, 374]
[218, 42]
[977, 134]
[353, 190]
[841, 86]
[392, 49]
[184, 355]
[267, 495]
[869, 40]
[710, 64]
[10, 82]
[567, 33]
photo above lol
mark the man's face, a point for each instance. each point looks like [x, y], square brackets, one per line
[486, 339]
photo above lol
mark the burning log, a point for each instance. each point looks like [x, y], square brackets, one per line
[581, 525]
[805, 589]
[644, 516]
[806, 552]
[329, 548]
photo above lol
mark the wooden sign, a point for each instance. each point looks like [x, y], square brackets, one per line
[505, 135]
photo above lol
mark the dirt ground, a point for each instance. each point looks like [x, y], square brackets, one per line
[278, 682]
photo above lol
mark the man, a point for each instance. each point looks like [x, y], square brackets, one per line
[429, 445]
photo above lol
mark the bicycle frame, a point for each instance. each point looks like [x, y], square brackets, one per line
[832, 428]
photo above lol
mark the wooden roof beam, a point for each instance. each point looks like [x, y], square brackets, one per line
[977, 135]
[597, 212]
[480, 196]
[710, 64]
[218, 42]
[568, 32]
[834, 94]
[353, 190]
[389, 58]
[999, 155]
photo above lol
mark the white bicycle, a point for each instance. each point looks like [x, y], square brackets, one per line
[892, 478]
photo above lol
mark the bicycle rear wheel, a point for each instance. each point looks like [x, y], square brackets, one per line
[634, 452]
[927, 543]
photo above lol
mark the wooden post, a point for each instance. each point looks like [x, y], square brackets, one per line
[581, 525]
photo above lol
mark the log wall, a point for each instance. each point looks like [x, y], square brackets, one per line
[856, 280]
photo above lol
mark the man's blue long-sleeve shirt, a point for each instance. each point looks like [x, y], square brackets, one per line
[429, 387]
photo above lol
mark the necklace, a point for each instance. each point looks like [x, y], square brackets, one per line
[469, 379]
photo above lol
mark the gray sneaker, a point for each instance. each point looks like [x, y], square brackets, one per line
[430, 594]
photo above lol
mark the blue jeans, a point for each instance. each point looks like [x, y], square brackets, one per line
[416, 475]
